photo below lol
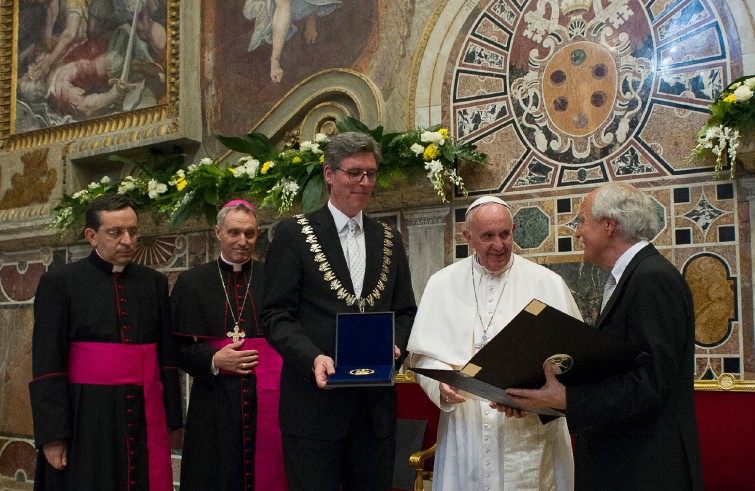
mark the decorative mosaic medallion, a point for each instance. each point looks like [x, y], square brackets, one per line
[592, 90]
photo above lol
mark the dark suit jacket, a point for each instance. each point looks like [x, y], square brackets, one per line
[299, 317]
[638, 430]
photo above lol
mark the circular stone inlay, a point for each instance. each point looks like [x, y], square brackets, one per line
[558, 77]
[598, 98]
[577, 57]
[599, 71]
[590, 99]
[561, 104]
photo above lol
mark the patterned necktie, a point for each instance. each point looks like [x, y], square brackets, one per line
[607, 291]
[356, 257]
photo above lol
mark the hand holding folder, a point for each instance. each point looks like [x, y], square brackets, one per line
[538, 334]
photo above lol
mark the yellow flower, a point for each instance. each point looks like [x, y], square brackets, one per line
[443, 132]
[296, 160]
[181, 183]
[431, 152]
[730, 98]
[322, 158]
[266, 167]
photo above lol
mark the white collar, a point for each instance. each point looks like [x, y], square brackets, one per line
[482, 270]
[625, 259]
[342, 220]
[117, 268]
[236, 266]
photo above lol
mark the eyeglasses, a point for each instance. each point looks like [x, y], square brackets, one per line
[117, 232]
[356, 175]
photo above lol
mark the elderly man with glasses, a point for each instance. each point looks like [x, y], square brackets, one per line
[105, 384]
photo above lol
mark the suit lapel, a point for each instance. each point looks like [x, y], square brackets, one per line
[637, 259]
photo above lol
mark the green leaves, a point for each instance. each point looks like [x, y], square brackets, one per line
[255, 144]
[168, 185]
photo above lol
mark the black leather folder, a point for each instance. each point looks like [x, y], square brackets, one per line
[538, 334]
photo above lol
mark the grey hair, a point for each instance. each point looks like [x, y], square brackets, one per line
[220, 219]
[344, 145]
[634, 211]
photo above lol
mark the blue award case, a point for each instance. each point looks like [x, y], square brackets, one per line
[364, 350]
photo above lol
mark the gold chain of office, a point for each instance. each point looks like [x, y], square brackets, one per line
[330, 277]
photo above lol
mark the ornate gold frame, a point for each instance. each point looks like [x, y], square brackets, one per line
[726, 382]
[96, 134]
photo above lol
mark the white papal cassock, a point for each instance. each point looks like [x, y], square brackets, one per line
[478, 447]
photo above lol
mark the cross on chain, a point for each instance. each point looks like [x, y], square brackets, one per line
[236, 334]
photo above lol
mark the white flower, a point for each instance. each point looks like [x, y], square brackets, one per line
[455, 178]
[126, 185]
[750, 82]
[93, 185]
[321, 138]
[105, 180]
[432, 137]
[186, 198]
[734, 86]
[289, 187]
[312, 147]
[79, 195]
[434, 166]
[239, 171]
[743, 93]
[205, 161]
[417, 149]
[251, 167]
[192, 168]
[713, 132]
[155, 189]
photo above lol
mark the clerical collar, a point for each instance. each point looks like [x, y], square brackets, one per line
[236, 266]
[105, 265]
[482, 269]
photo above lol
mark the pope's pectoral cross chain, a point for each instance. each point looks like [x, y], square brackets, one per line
[236, 334]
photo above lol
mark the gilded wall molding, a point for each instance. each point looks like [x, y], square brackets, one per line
[726, 382]
[95, 135]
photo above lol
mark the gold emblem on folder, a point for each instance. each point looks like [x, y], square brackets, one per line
[562, 362]
[362, 371]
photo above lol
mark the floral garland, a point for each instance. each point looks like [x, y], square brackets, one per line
[277, 178]
[732, 113]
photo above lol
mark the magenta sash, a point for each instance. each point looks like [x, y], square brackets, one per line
[268, 449]
[130, 364]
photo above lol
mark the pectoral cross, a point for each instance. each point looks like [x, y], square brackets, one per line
[236, 334]
[479, 346]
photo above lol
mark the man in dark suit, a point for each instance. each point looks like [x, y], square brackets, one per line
[636, 430]
[331, 261]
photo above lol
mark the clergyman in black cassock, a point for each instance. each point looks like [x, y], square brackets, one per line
[100, 325]
[232, 438]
